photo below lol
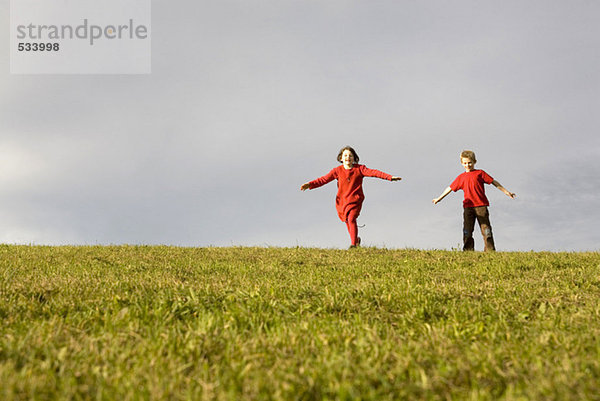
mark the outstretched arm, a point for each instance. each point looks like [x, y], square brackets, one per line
[442, 196]
[319, 181]
[371, 172]
[501, 188]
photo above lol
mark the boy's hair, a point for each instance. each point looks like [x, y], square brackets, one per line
[468, 154]
[339, 158]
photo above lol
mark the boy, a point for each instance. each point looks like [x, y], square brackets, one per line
[476, 203]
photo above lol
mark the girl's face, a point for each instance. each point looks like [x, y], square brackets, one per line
[347, 158]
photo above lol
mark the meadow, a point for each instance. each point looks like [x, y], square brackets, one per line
[169, 323]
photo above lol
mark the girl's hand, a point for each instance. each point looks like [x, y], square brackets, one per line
[396, 178]
[305, 186]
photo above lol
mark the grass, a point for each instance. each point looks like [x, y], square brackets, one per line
[169, 323]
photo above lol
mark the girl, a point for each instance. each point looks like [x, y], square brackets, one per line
[350, 196]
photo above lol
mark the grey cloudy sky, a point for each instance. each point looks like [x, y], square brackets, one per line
[247, 100]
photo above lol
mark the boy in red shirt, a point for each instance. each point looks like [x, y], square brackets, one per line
[350, 196]
[476, 203]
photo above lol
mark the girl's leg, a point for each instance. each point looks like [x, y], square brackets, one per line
[352, 226]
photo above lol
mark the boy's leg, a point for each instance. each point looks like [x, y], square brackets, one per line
[483, 218]
[352, 226]
[468, 227]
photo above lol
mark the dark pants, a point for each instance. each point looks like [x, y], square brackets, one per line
[482, 215]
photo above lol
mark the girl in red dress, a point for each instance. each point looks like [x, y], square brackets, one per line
[350, 196]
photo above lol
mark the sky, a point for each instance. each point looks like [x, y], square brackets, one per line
[247, 100]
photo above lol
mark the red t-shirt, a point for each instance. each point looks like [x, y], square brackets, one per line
[472, 185]
[350, 194]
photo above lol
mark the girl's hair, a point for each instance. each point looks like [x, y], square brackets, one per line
[339, 158]
[468, 154]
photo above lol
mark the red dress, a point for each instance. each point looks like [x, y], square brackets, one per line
[350, 195]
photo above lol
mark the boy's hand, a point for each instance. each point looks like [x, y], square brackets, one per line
[305, 186]
[442, 196]
[511, 195]
[394, 178]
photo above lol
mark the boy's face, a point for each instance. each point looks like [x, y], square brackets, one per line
[467, 163]
[347, 158]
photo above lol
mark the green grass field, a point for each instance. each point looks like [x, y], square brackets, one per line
[167, 323]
